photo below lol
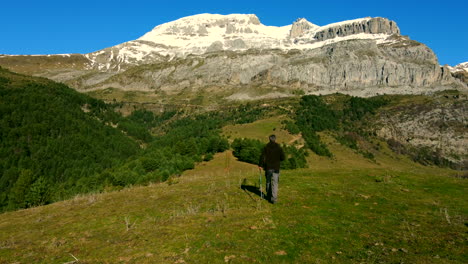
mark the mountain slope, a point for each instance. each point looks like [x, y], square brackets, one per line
[358, 67]
[349, 208]
[428, 128]
[337, 212]
[460, 67]
[53, 137]
[460, 71]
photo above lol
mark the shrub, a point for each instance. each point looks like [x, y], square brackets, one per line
[249, 150]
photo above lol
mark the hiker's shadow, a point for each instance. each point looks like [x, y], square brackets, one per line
[253, 189]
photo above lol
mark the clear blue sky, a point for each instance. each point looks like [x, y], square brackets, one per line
[51, 27]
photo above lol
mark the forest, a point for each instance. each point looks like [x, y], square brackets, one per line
[57, 143]
[345, 116]
[52, 136]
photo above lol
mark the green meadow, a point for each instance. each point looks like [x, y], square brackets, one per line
[344, 209]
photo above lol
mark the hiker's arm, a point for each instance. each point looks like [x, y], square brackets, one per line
[261, 161]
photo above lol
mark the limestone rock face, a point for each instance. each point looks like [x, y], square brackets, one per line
[377, 25]
[460, 72]
[356, 67]
[300, 27]
[216, 46]
[439, 126]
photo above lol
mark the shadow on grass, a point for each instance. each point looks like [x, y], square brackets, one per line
[252, 189]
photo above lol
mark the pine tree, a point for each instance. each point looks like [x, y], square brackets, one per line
[17, 196]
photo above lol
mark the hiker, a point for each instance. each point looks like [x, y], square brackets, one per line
[270, 159]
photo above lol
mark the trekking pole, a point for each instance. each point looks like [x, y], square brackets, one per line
[260, 180]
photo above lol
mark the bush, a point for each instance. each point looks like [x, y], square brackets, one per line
[208, 157]
[150, 164]
[315, 115]
[249, 150]
[292, 127]
[313, 142]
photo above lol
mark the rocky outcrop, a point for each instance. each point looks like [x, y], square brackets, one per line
[301, 27]
[126, 55]
[460, 67]
[202, 24]
[438, 126]
[460, 72]
[462, 76]
[377, 25]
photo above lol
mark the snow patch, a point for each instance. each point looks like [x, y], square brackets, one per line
[460, 67]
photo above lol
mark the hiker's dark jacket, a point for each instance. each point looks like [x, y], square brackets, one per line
[271, 157]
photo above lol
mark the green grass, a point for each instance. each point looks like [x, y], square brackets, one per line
[351, 215]
[117, 95]
[342, 210]
[260, 130]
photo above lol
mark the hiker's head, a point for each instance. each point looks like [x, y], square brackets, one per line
[272, 138]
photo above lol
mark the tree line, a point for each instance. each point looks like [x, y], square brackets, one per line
[249, 150]
[56, 142]
[345, 116]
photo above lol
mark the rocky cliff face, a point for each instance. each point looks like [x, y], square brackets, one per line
[438, 125]
[300, 27]
[375, 25]
[460, 72]
[357, 67]
[362, 57]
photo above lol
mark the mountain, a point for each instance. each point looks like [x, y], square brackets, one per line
[206, 33]
[237, 57]
[460, 67]
[460, 71]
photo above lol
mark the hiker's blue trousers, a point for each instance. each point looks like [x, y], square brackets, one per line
[272, 177]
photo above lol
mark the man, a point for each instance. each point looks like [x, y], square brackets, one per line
[270, 159]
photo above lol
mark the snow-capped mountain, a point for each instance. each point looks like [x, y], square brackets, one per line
[460, 67]
[227, 55]
[205, 33]
[460, 72]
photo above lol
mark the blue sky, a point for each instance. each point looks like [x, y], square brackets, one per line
[51, 27]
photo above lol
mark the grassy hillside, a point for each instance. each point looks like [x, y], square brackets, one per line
[260, 130]
[34, 64]
[56, 142]
[337, 214]
[346, 209]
